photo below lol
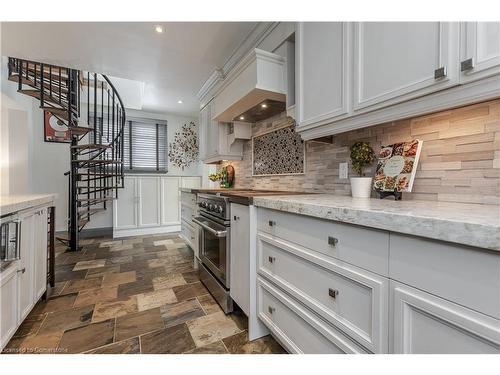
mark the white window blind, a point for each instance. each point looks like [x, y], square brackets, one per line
[145, 146]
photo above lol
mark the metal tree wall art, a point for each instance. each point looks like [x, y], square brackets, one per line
[183, 151]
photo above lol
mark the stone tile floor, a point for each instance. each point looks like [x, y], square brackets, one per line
[136, 295]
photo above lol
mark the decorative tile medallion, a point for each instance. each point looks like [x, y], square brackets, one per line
[279, 152]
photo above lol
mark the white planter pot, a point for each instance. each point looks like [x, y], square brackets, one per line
[361, 187]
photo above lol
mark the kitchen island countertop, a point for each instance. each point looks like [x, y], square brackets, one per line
[467, 224]
[15, 203]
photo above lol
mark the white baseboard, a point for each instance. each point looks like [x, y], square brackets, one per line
[119, 233]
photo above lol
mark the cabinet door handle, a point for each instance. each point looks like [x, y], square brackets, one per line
[332, 241]
[271, 309]
[271, 259]
[272, 223]
[333, 293]
[467, 65]
[236, 218]
[440, 72]
[22, 270]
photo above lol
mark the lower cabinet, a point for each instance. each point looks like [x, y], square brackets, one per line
[24, 281]
[435, 298]
[9, 295]
[40, 254]
[240, 256]
[297, 329]
[190, 231]
[26, 274]
[149, 204]
[426, 324]
[349, 298]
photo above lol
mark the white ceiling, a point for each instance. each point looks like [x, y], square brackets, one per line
[173, 65]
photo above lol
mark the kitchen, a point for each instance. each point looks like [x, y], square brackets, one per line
[336, 194]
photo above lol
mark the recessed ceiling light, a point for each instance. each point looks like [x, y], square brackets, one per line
[179, 101]
[158, 29]
[242, 117]
[263, 105]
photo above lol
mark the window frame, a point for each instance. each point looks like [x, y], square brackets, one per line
[127, 168]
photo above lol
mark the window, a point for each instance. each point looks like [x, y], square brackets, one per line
[145, 146]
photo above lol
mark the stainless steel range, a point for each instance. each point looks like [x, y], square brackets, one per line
[215, 221]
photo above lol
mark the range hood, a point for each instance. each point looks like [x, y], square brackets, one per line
[254, 90]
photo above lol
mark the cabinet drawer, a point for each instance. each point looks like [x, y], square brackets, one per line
[188, 199]
[187, 212]
[465, 275]
[297, 328]
[353, 300]
[426, 324]
[188, 233]
[363, 247]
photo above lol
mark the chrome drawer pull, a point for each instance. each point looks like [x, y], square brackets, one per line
[271, 309]
[22, 270]
[440, 72]
[332, 241]
[466, 65]
[272, 223]
[333, 293]
[271, 259]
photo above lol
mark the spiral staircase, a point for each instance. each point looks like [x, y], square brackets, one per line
[96, 135]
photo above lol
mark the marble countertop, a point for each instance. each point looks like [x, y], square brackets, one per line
[14, 203]
[466, 224]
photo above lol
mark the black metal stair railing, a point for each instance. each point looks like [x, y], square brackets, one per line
[96, 171]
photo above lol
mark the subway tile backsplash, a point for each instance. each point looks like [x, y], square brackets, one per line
[460, 160]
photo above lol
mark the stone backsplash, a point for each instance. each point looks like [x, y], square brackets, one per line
[460, 159]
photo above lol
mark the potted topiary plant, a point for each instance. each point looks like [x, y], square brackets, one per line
[362, 155]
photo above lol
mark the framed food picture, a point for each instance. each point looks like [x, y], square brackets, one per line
[397, 166]
[55, 130]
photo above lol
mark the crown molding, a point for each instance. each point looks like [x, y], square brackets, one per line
[253, 39]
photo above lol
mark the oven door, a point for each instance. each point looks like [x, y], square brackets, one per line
[214, 248]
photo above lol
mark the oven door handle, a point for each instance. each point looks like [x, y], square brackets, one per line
[216, 233]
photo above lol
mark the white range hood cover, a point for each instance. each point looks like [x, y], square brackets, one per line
[260, 76]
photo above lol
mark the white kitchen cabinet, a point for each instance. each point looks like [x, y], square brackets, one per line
[353, 300]
[422, 296]
[170, 198]
[390, 71]
[397, 61]
[426, 324]
[190, 231]
[148, 192]
[479, 50]
[24, 281]
[26, 266]
[124, 208]
[296, 327]
[240, 256]
[9, 305]
[322, 71]
[243, 258]
[40, 253]
[149, 204]
[214, 139]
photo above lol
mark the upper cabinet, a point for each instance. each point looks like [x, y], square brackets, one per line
[220, 140]
[397, 61]
[353, 75]
[480, 50]
[322, 66]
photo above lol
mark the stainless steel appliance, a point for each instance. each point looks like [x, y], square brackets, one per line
[215, 221]
[10, 230]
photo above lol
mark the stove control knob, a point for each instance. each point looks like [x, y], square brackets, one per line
[220, 209]
[211, 207]
[200, 204]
